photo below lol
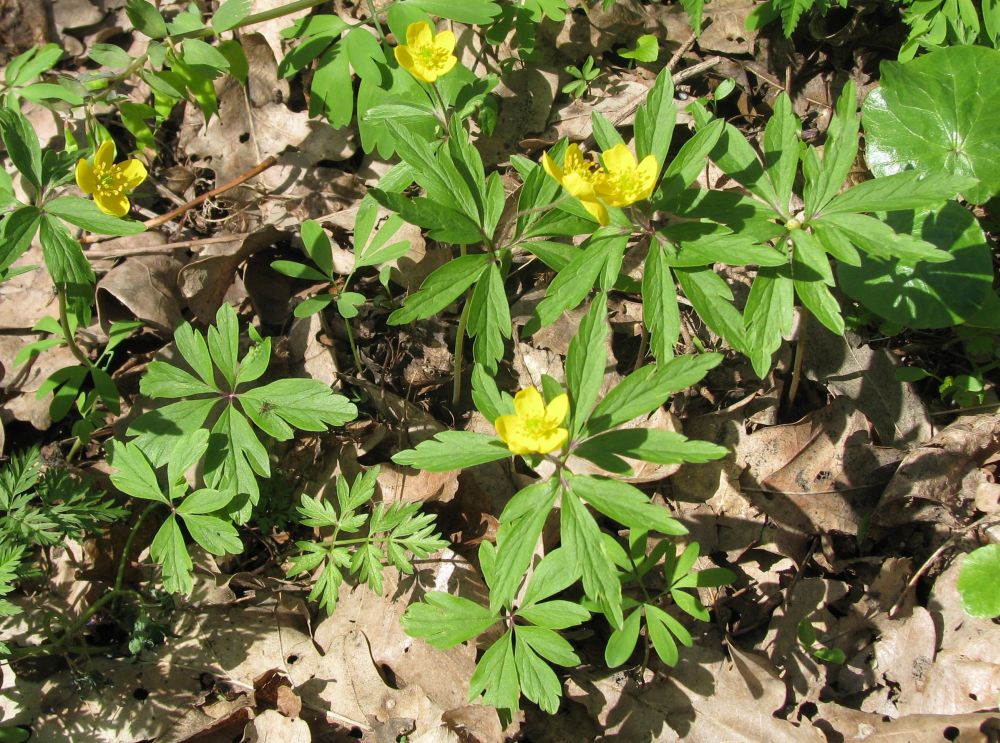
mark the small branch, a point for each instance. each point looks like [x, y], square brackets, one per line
[684, 49]
[695, 69]
[154, 249]
[239, 180]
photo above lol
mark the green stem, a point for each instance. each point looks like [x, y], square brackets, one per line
[373, 12]
[463, 321]
[281, 10]
[123, 558]
[354, 348]
[68, 335]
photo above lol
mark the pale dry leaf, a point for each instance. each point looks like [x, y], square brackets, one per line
[273, 727]
[141, 288]
[28, 297]
[310, 357]
[21, 384]
[848, 367]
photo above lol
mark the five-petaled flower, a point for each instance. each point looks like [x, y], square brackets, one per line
[535, 428]
[619, 181]
[109, 183]
[426, 55]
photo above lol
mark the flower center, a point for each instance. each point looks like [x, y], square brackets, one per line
[432, 57]
[537, 426]
[108, 184]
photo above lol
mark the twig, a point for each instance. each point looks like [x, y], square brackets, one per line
[948, 543]
[684, 49]
[695, 69]
[254, 171]
[153, 249]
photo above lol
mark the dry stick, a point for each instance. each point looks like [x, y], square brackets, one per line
[684, 49]
[157, 221]
[254, 171]
[948, 543]
[153, 249]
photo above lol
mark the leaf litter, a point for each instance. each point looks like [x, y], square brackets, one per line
[243, 658]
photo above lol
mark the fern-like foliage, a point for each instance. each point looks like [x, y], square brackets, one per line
[790, 12]
[362, 540]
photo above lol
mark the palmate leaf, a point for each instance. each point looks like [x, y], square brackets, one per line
[168, 549]
[445, 620]
[306, 404]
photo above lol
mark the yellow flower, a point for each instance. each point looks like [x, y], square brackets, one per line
[577, 176]
[625, 181]
[536, 427]
[620, 181]
[109, 183]
[425, 55]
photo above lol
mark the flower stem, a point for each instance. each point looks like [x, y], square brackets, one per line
[463, 322]
[68, 334]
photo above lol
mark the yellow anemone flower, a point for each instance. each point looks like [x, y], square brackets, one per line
[625, 181]
[577, 176]
[426, 55]
[536, 427]
[108, 182]
[620, 181]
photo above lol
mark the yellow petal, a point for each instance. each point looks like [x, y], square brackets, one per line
[577, 185]
[85, 176]
[646, 172]
[618, 158]
[105, 156]
[511, 432]
[597, 210]
[549, 166]
[129, 174]
[555, 411]
[528, 403]
[445, 41]
[404, 58]
[116, 206]
[422, 73]
[574, 158]
[550, 441]
[448, 64]
[419, 34]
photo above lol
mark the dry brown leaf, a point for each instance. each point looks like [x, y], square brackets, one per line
[27, 297]
[850, 725]
[819, 474]
[937, 481]
[141, 288]
[850, 368]
[273, 727]
[725, 28]
[20, 384]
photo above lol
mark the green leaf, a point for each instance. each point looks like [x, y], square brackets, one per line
[712, 299]
[555, 614]
[625, 504]
[158, 430]
[584, 546]
[42, 92]
[647, 388]
[537, 680]
[586, 361]
[879, 240]
[16, 233]
[575, 281]
[520, 528]
[84, 213]
[26, 67]
[306, 404]
[204, 501]
[230, 14]
[809, 261]
[647, 49]
[318, 247]
[166, 380]
[839, 152]
[979, 582]
[22, 146]
[605, 133]
[146, 18]
[197, 52]
[768, 316]
[663, 641]
[441, 288]
[652, 445]
[133, 473]
[659, 298]
[927, 295]
[168, 549]
[255, 363]
[737, 158]
[934, 115]
[906, 190]
[487, 397]
[656, 116]
[224, 341]
[63, 255]
[218, 537]
[193, 349]
[782, 138]
[444, 620]
[496, 676]
[556, 572]
[489, 318]
[235, 458]
[816, 296]
[478, 12]
[622, 642]
[690, 159]
[453, 450]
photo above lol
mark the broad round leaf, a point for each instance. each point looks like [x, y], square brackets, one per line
[979, 582]
[923, 294]
[937, 114]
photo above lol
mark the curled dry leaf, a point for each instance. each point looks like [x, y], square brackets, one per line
[141, 288]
